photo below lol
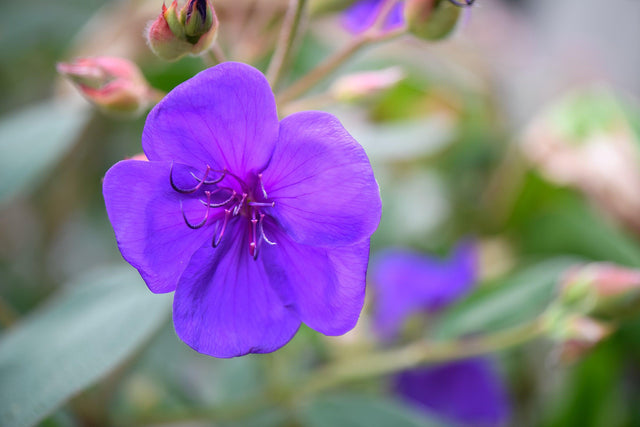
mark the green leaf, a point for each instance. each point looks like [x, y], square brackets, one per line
[76, 339]
[35, 139]
[363, 411]
[517, 299]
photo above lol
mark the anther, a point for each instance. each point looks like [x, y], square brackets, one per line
[236, 210]
[262, 235]
[466, 3]
[190, 190]
[201, 223]
[264, 192]
[265, 204]
[204, 181]
[216, 239]
[217, 205]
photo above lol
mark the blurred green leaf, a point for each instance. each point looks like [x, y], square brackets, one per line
[551, 221]
[363, 411]
[33, 140]
[73, 341]
[519, 298]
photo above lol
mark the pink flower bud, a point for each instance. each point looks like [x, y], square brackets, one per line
[359, 85]
[579, 336]
[192, 30]
[113, 84]
[610, 289]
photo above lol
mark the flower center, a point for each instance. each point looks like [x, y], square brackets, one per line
[246, 199]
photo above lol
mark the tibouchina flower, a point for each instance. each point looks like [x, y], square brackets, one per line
[362, 14]
[407, 283]
[256, 224]
[466, 392]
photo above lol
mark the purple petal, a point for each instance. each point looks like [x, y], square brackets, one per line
[407, 283]
[146, 217]
[322, 182]
[224, 117]
[224, 305]
[468, 392]
[361, 15]
[325, 286]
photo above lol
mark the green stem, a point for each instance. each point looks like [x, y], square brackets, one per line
[316, 75]
[417, 354]
[8, 315]
[288, 35]
[216, 54]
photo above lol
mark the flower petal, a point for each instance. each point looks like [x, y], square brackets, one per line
[224, 117]
[224, 305]
[407, 283]
[145, 214]
[362, 15]
[468, 392]
[322, 182]
[325, 286]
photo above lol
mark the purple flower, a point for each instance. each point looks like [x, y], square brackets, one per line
[408, 282]
[468, 392]
[362, 14]
[257, 224]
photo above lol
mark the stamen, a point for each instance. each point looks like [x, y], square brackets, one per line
[190, 190]
[262, 235]
[466, 3]
[216, 240]
[265, 204]
[264, 192]
[236, 210]
[217, 205]
[201, 223]
[204, 181]
[253, 247]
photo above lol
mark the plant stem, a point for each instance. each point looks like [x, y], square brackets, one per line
[8, 315]
[288, 35]
[323, 70]
[417, 354]
[216, 54]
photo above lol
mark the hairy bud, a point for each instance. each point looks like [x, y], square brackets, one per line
[432, 19]
[190, 30]
[113, 84]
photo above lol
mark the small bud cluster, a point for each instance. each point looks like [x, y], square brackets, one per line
[190, 30]
[433, 19]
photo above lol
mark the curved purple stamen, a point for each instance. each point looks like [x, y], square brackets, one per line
[216, 240]
[204, 220]
[189, 190]
[217, 205]
[466, 3]
[203, 181]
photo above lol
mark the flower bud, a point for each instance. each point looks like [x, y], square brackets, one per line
[579, 335]
[113, 84]
[192, 30]
[431, 19]
[606, 289]
[359, 85]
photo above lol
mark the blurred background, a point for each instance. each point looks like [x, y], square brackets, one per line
[521, 132]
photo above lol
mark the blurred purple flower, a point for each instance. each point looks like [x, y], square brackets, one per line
[362, 14]
[257, 224]
[467, 392]
[408, 282]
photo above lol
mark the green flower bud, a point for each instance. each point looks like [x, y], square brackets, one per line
[432, 19]
[192, 30]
